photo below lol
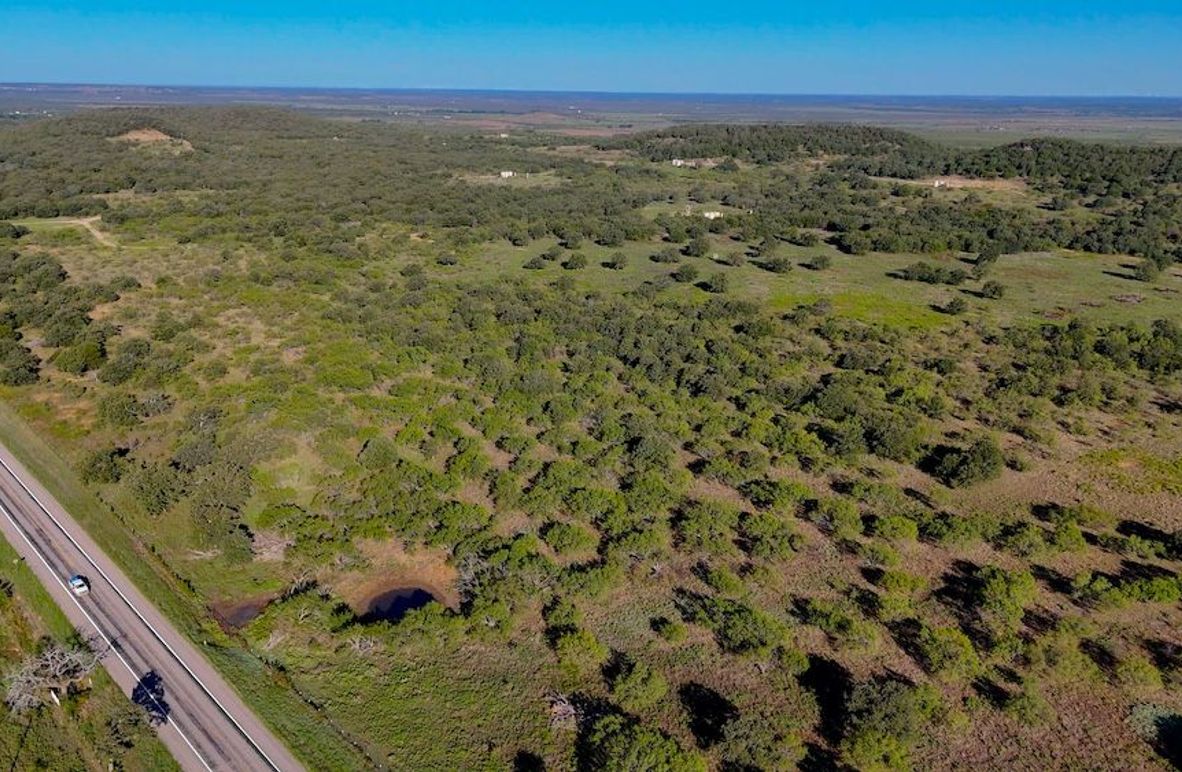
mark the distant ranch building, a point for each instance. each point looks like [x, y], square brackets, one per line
[712, 215]
[507, 174]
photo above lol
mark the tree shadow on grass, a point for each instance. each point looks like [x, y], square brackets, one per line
[991, 692]
[1168, 404]
[708, 713]
[818, 759]
[830, 684]
[1132, 570]
[525, 761]
[1166, 655]
[1101, 655]
[1055, 581]
[1167, 740]
[907, 634]
[960, 590]
[1142, 530]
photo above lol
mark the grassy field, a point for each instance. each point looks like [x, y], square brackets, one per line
[1049, 285]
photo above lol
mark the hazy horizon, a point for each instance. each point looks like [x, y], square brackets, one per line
[590, 91]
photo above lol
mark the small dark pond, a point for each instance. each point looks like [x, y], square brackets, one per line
[238, 614]
[392, 605]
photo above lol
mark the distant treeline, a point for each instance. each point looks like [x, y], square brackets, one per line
[1127, 185]
[1086, 167]
[270, 176]
[774, 143]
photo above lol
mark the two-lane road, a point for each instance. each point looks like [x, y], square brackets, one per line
[205, 725]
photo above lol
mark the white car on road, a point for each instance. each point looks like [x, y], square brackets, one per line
[79, 585]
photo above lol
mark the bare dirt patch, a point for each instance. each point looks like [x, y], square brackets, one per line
[518, 180]
[293, 354]
[235, 614]
[391, 565]
[955, 182]
[968, 183]
[589, 153]
[476, 492]
[712, 489]
[155, 137]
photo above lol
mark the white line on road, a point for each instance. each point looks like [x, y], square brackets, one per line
[99, 630]
[136, 611]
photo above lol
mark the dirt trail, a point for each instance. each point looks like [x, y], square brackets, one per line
[89, 224]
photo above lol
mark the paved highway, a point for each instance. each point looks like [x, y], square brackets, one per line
[201, 719]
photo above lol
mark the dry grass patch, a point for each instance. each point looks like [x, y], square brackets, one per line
[956, 182]
[155, 138]
[392, 565]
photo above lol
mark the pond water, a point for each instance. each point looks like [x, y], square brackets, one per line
[392, 605]
[236, 614]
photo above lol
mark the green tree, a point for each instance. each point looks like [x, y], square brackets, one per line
[580, 653]
[762, 739]
[120, 410]
[616, 744]
[1147, 271]
[706, 526]
[768, 536]
[637, 687]
[884, 720]
[156, 487]
[956, 306]
[982, 460]
[699, 246]
[948, 652]
[717, 283]
[777, 264]
[993, 290]
[103, 466]
[81, 357]
[1004, 595]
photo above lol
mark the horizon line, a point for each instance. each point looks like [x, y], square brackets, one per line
[588, 92]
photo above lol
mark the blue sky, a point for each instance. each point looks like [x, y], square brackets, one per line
[748, 46]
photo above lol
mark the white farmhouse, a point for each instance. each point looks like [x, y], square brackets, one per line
[507, 174]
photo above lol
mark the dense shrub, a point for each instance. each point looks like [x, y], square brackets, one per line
[885, 719]
[616, 744]
[980, 461]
